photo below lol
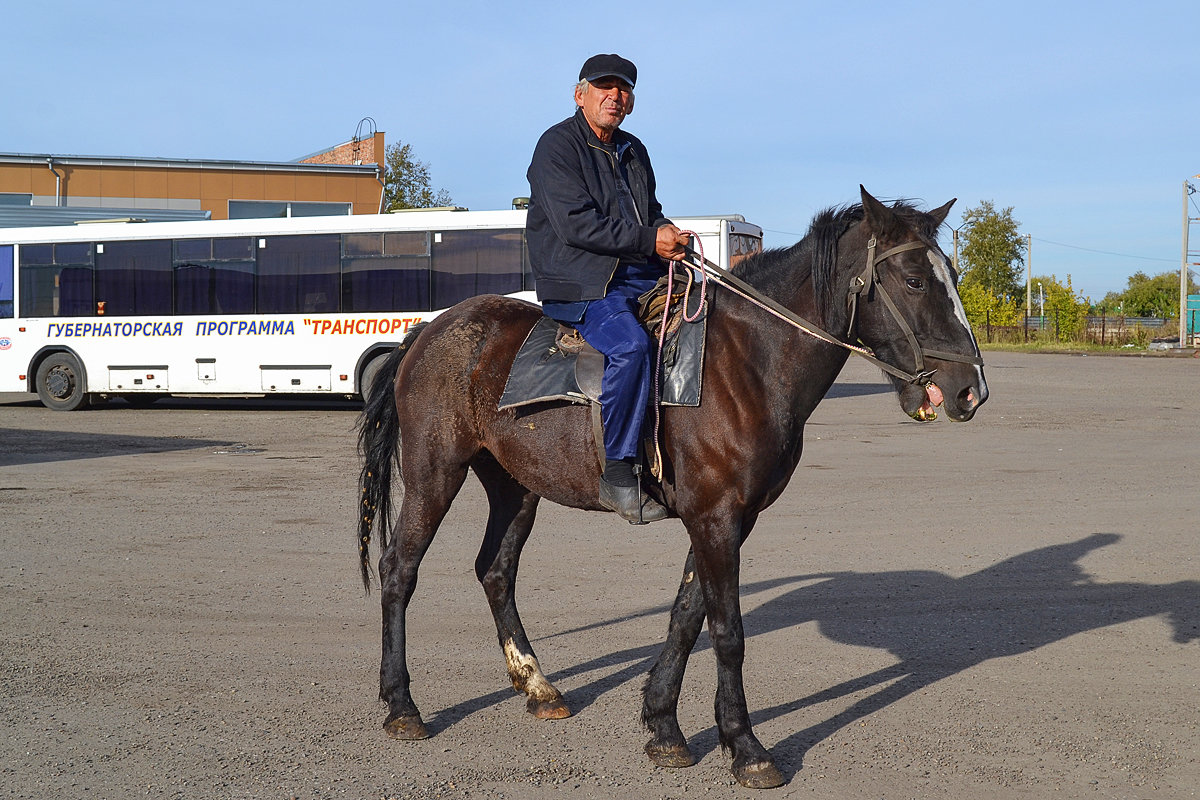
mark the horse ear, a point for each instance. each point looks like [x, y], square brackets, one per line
[939, 214]
[879, 218]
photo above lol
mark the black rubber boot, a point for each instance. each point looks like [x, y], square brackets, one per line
[631, 503]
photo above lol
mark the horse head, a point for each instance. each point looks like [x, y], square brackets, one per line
[906, 308]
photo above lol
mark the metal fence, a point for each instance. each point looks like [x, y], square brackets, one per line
[1101, 329]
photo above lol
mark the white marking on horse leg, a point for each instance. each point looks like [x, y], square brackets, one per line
[526, 675]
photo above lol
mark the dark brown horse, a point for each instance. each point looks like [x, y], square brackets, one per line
[724, 462]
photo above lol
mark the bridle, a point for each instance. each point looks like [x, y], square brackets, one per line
[867, 281]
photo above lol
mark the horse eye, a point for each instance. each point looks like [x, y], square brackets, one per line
[916, 284]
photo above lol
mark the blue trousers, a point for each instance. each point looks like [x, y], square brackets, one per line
[611, 326]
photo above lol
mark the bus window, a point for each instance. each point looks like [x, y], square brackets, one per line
[214, 276]
[473, 262]
[56, 280]
[386, 271]
[6, 282]
[134, 278]
[298, 274]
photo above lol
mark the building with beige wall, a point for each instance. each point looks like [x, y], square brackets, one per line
[344, 179]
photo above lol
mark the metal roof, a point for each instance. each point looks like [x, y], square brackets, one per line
[182, 163]
[30, 216]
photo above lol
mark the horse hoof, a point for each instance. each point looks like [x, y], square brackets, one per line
[763, 775]
[547, 709]
[674, 756]
[408, 728]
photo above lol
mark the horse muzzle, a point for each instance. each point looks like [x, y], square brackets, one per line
[922, 401]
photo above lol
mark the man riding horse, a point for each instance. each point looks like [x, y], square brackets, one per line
[596, 233]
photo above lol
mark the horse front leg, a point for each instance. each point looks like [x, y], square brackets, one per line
[660, 696]
[717, 566]
[510, 520]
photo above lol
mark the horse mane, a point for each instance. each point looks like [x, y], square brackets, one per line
[815, 256]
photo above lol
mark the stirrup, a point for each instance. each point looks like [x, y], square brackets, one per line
[631, 503]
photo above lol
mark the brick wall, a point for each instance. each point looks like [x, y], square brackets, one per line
[365, 151]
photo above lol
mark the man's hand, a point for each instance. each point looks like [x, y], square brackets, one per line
[671, 243]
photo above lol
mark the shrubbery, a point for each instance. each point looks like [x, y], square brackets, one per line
[1002, 318]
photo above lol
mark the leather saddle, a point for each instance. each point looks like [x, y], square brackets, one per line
[556, 364]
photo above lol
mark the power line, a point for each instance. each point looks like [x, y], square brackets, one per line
[1104, 252]
[1044, 241]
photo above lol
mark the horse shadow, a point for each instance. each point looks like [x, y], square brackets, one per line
[935, 625]
[852, 389]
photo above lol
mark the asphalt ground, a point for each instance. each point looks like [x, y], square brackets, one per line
[1008, 608]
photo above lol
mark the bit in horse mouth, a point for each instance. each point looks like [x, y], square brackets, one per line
[933, 399]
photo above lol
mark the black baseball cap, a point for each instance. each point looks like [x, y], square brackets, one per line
[605, 64]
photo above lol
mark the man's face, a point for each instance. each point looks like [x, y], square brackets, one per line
[605, 103]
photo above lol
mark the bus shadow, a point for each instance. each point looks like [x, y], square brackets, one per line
[41, 447]
[271, 403]
[258, 403]
[934, 625]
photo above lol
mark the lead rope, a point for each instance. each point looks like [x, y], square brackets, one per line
[656, 461]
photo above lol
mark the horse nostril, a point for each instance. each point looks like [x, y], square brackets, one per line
[968, 400]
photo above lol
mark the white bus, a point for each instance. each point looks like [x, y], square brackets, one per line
[251, 307]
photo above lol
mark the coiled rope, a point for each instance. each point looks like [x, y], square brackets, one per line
[656, 461]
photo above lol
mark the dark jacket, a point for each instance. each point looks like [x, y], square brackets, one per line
[574, 228]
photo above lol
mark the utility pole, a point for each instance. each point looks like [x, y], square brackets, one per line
[968, 219]
[1183, 271]
[1028, 270]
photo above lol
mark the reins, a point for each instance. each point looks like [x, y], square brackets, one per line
[868, 279]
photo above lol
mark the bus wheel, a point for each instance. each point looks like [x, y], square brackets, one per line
[59, 383]
[368, 375]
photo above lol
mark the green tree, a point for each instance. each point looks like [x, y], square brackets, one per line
[993, 251]
[984, 308]
[1147, 296]
[1065, 311]
[406, 181]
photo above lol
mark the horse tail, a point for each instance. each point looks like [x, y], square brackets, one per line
[379, 449]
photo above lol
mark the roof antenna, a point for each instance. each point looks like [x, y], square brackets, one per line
[355, 142]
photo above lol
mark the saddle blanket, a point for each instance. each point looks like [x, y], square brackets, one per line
[543, 371]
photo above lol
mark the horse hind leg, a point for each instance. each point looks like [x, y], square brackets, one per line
[510, 520]
[425, 504]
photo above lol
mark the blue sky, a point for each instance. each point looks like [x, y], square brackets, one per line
[1083, 117]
